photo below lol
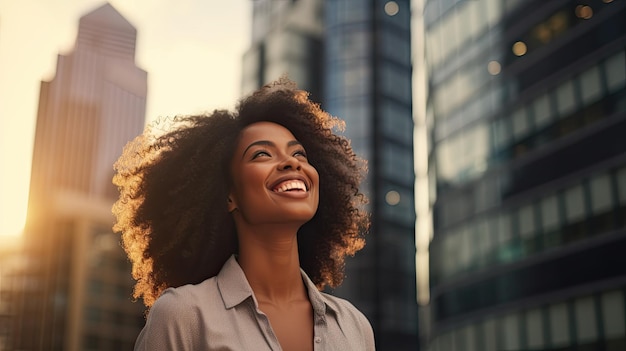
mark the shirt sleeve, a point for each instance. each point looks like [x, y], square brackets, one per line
[172, 325]
[368, 333]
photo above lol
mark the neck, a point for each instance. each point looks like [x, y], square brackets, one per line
[270, 261]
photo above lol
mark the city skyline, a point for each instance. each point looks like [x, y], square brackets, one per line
[175, 45]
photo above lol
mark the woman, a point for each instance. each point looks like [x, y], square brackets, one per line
[235, 222]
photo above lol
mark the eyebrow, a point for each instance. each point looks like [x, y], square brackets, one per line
[269, 143]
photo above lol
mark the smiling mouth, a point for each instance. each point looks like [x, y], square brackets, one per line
[293, 185]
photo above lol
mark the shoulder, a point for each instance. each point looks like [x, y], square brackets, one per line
[183, 300]
[349, 315]
[343, 307]
[174, 320]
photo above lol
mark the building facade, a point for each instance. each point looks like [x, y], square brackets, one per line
[287, 37]
[527, 115]
[76, 286]
[360, 71]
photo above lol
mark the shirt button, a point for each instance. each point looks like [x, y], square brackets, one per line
[318, 340]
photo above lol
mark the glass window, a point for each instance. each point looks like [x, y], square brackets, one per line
[469, 333]
[504, 228]
[469, 11]
[352, 11]
[462, 24]
[477, 143]
[501, 135]
[396, 82]
[601, 194]
[526, 221]
[485, 242]
[494, 10]
[542, 110]
[440, 99]
[559, 325]
[586, 320]
[350, 44]
[534, 329]
[574, 204]
[401, 209]
[401, 19]
[355, 79]
[447, 35]
[397, 122]
[489, 328]
[511, 5]
[451, 251]
[466, 250]
[394, 46]
[510, 327]
[434, 44]
[93, 314]
[590, 85]
[91, 342]
[549, 213]
[355, 111]
[520, 123]
[446, 341]
[479, 13]
[613, 314]
[485, 194]
[621, 184]
[397, 163]
[445, 161]
[465, 84]
[616, 71]
[565, 98]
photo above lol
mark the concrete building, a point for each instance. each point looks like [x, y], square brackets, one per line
[76, 281]
[355, 57]
[527, 116]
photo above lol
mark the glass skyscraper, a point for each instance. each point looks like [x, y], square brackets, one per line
[72, 291]
[526, 115]
[355, 56]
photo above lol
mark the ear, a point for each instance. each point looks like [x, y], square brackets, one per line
[231, 203]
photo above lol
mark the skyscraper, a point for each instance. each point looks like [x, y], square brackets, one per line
[76, 283]
[527, 117]
[363, 75]
[287, 37]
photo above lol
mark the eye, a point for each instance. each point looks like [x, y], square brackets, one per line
[260, 153]
[300, 153]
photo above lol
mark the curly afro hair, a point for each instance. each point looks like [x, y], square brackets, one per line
[172, 210]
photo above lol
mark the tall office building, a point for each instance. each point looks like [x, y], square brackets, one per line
[363, 75]
[76, 284]
[287, 37]
[527, 118]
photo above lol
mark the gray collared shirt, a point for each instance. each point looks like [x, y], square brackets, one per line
[222, 313]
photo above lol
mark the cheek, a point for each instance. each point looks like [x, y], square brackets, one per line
[249, 182]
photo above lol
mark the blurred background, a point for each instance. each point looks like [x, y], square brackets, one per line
[495, 132]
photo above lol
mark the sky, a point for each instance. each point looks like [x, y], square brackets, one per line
[191, 49]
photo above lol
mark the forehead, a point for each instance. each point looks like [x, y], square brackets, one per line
[264, 131]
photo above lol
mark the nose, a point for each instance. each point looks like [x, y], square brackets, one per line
[289, 162]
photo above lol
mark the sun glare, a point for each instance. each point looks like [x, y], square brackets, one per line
[12, 213]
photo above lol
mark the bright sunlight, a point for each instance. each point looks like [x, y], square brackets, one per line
[12, 209]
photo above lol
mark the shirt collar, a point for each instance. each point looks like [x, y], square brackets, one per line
[234, 288]
[232, 284]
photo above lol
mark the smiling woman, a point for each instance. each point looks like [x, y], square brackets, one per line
[235, 222]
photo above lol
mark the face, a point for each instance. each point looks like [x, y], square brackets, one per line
[273, 181]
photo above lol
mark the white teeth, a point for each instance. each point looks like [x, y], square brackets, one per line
[290, 185]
